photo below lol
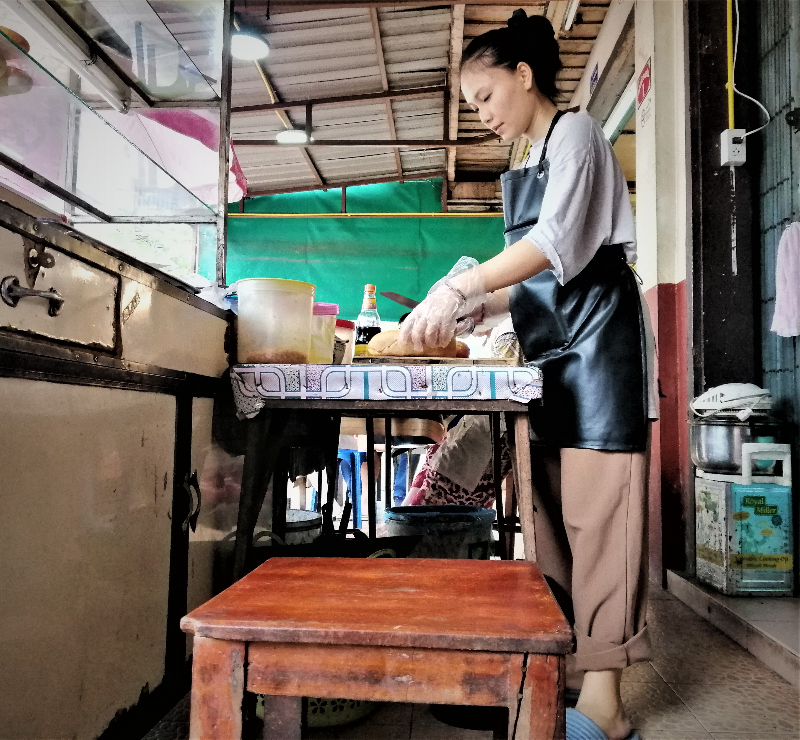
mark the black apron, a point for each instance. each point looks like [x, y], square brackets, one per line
[588, 336]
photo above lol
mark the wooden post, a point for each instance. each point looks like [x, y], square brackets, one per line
[541, 707]
[283, 716]
[217, 689]
[520, 443]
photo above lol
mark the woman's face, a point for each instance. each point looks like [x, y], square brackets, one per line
[506, 101]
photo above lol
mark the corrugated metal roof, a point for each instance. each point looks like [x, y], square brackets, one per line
[333, 52]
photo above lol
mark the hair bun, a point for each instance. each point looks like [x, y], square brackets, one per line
[521, 21]
[518, 19]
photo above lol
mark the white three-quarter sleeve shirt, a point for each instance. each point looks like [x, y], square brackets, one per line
[586, 204]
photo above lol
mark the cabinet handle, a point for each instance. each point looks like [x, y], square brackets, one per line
[191, 483]
[11, 292]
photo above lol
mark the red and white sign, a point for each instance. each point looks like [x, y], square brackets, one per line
[644, 84]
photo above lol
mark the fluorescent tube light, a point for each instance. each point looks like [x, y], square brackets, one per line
[292, 136]
[70, 52]
[572, 11]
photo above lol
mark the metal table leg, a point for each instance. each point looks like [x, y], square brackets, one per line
[371, 494]
[494, 420]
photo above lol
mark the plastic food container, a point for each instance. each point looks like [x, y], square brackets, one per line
[323, 325]
[345, 331]
[274, 321]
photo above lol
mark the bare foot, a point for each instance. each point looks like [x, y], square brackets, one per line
[617, 725]
[601, 702]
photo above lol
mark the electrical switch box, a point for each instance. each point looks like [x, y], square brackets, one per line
[732, 147]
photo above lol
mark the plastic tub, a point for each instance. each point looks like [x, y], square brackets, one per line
[344, 333]
[274, 321]
[454, 532]
[323, 330]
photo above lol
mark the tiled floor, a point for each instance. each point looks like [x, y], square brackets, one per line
[700, 684]
[769, 628]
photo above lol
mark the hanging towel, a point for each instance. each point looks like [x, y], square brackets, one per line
[786, 321]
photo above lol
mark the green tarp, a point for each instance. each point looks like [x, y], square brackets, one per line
[340, 255]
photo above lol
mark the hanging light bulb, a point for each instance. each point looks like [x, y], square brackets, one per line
[293, 136]
[248, 45]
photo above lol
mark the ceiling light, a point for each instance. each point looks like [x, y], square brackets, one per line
[248, 45]
[293, 136]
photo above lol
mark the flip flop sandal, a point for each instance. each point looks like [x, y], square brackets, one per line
[580, 727]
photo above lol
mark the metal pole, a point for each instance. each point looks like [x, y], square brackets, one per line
[224, 143]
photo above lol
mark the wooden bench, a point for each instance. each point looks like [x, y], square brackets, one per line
[484, 633]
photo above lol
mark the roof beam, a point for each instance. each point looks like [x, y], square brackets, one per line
[454, 78]
[414, 92]
[376, 31]
[294, 6]
[349, 183]
[374, 143]
[287, 123]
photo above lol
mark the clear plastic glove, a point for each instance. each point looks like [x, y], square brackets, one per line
[433, 323]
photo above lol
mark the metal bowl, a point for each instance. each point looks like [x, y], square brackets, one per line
[716, 443]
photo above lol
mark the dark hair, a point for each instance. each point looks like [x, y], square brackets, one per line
[525, 39]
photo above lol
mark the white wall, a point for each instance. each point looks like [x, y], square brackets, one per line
[662, 167]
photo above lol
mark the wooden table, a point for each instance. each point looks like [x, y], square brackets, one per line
[285, 423]
[485, 633]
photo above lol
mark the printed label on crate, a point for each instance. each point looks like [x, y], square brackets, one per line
[760, 562]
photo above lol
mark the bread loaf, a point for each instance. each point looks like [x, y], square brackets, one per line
[388, 344]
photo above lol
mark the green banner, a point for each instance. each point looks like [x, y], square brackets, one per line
[339, 255]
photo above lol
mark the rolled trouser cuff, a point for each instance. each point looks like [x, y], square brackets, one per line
[598, 655]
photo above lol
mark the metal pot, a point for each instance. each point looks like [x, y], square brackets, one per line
[716, 443]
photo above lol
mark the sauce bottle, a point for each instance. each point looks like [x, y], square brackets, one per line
[368, 323]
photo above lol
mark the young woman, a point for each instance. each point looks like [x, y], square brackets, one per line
[577, 311]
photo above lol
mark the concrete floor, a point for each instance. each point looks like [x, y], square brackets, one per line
[699, 685]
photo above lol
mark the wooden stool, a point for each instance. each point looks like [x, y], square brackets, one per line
[485, 633]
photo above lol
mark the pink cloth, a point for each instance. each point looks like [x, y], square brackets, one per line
[191, 124]
[185, 144]
[786, 320]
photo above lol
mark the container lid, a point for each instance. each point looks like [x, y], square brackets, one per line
[326, 309]
[345, 324]
[369, 288]
[732, 398]
[279, 283]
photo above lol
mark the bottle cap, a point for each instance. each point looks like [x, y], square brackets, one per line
[326, 309]
[369, 288]
[345, 324]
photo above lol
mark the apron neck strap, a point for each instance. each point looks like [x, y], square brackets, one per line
[549, 133]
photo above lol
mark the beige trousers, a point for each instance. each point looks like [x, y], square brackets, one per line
[590, 514]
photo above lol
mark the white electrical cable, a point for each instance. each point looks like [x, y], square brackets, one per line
[736, 90]
[72, 55]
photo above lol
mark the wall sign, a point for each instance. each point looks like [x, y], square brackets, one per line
[593, 80]
[644, 84]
